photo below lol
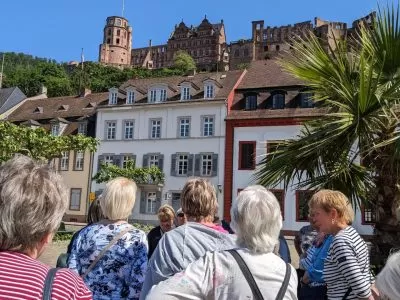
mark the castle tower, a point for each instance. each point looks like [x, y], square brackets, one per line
[117, 42]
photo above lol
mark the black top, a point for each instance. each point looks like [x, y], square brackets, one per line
[153, 238]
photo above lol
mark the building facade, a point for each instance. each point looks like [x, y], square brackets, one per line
[270, 106]
[176, 124]
[66, 116]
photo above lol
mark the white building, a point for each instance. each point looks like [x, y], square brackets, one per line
[268, 107]
[175, 123]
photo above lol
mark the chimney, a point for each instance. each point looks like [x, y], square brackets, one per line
[43, 90]
[85, 92]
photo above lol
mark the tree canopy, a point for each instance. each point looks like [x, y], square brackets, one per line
[184, 62]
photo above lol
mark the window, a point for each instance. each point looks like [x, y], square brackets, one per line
[280, 196]
[75, 199]
[118, 22]
[153, 160]
[176, 201]
[306, 100]
[206, 164]
[109, 31]
[163, 95]
[109, 160]
[151, 203]
[247, 155]
[208, 126]
[184, 127]
[82, 128]
[64, 161]
[209, 91]
[128, 130]
[108, 41]
[153, 95]
[277, 47]
[251, 102]
[113, 97]
[272, 146]
[155, 130]
[117, 41]
[182, 164]
[125, 159]
[185, 93]
[302, 198]
[130, 97]
[111, 131]
[278, 101]
[118, 32]
[55, 129]
[368, 214]
[79, 160]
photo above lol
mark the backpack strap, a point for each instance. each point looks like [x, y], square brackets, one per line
[247, 274]
[48, 283]
[285, 283]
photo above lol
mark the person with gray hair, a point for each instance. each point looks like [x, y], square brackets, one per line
[33, 200]
[251, 270]
[387, 281]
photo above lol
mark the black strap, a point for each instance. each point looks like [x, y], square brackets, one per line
[48, 283]
[247, 274]
[252, 283]
[347, 293]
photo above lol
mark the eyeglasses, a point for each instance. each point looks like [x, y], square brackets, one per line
[181, 215]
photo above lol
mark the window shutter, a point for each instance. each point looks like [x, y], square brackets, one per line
[173, 165]
[100, 161]
[190, 165]
[197, 160]
[142, 202]
[133, 157]
[117, 160]
[145, 161]
[158, 201]
[214, 165]
[161, 162]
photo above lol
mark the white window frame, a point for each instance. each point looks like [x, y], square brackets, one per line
[206, 164]
[64, 161]
[206, 121]
[113, 97]
[111, 131]
[185, 93]
[129, 125]
[152, 126]
[182, 161]
[209, 91]
[55, 129]
[163, 95]
[79, 160]
[130, 96]
[151, 203]
[108, 159]
[153, 96]
[75, 207]
[125, 159]
[82, 128]
[186, 124]
[154, 160]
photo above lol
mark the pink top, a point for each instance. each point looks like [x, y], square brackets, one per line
[215, 227]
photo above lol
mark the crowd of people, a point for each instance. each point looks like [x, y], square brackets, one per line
[190, 255]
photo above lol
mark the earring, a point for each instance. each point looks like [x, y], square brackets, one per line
[333, 221]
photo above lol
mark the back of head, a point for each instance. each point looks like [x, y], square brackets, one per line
[33, 200]
[199, 200]
[388, 279]
[118, 199]
[94, 213]
[256, 219]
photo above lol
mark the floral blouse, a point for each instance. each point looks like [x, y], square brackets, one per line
[120, 273]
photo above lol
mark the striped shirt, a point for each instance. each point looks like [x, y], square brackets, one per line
[347, 265]
[22, 277]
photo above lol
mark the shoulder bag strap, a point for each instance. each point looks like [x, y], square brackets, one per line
[285, 283]
[101, 254]
[48, 283]
[247, 274]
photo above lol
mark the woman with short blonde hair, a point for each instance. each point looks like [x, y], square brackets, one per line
[111, 255]
[346, 268]
[33, 200]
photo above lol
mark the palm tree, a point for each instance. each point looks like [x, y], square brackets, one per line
[354, 147]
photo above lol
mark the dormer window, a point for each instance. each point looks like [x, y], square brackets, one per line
[130, 97]
[153, 96]
[306, 100]
[185, 93]
[209, 91]
[163, 95]
[82, 128]
[251, 102]
[158, 95]
[113, 97]
[55, 129]
[278, 100]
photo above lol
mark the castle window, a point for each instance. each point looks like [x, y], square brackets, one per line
[118, 22]
[109, 31]
[117, 41]
[108, 41]
[277, 47]
[118, 32]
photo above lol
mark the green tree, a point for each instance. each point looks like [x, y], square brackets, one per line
[357, 84]
[38, 143]
[151, 175]
[184, 62]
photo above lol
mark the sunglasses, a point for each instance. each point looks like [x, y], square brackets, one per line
[181, 215]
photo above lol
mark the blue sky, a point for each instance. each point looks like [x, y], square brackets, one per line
[58, 29]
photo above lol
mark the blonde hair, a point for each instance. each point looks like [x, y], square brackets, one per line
[198, 199]
[118, 199]
[166, 213]
[329, 199]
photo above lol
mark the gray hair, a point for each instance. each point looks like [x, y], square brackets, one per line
[388, 279]
[33, 200]
[256, 219]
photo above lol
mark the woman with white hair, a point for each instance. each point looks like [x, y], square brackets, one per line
[33, 200]
[111, 255]
[251, 271]
[387, 281]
